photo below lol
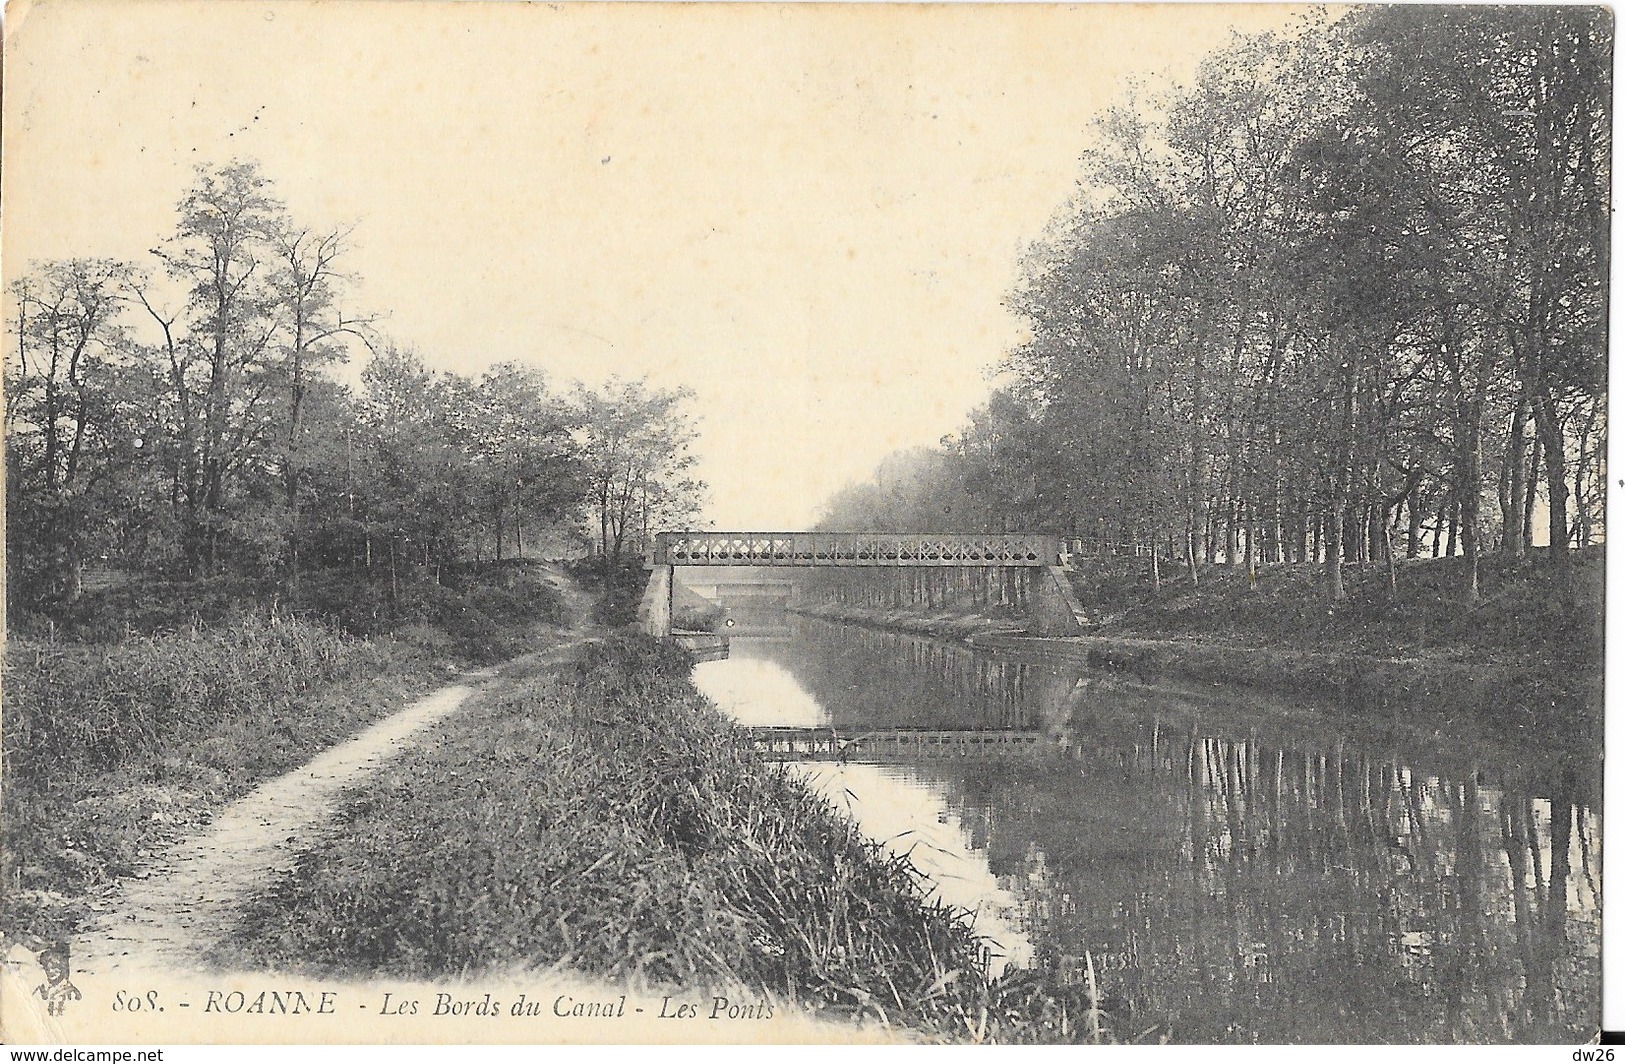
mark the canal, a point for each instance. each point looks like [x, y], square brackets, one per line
[1234, 869]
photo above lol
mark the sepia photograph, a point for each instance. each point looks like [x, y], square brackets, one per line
[803, 524]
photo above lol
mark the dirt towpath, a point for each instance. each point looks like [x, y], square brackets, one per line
[171, 919]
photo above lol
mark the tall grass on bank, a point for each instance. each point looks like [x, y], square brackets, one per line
[478, 611]
[1521, 617]
[72, 708]
[117, 745]
[112, 750]
[605, 818]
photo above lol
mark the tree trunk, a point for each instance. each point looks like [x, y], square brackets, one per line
[1334, 556]
[1557, 487]
[214, 425]
[1514, 474]
[1413, 525]
[1582, 523]
[1352, 535]
[296, 403]
[1582, 510]
[1252, 549]
[1196, 475]
[1190, 555]
[1336, 512]
[1469, 530]
[1232, 533]
[518, 525]
[1388, 553]
[1530, 490]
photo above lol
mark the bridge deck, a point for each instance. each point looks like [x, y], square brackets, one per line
[825, 744]
[853, 548]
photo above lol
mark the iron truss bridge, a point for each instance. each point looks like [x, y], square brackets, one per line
[852, 548]
[823, 744]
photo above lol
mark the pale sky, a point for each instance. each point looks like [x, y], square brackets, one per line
[808, 214]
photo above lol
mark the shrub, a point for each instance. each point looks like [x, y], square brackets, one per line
[619, 587]
[698, 618]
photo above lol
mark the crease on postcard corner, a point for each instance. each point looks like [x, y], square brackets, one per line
[25, 1018]
[15, 13]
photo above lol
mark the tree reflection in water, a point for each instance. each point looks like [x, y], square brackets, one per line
[1242, 880]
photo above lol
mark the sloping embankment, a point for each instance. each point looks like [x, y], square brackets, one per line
[1550, 699]
[943, 625]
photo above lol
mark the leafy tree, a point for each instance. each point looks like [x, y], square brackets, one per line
[71, 419]
[1313, 305]
[636, 446]
[199, 432]
[220, 251]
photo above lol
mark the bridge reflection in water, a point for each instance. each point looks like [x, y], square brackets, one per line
[825, 744]
[1233, 876]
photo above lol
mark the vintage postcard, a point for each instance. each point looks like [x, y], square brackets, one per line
[801, 523]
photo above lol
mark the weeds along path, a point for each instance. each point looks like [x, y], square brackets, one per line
[169, 919]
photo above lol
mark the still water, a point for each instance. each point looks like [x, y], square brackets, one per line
[1236, 869]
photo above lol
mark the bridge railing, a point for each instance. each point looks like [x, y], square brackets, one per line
[853, 548]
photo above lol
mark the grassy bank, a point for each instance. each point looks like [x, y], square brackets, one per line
[473, 612]
[113, 749]
[1524, 658]
[603, 816]
[1520, 658]
[1520, 619]
[942, 624]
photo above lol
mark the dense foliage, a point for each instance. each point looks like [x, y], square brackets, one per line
[184, 421]
[1343, 298]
